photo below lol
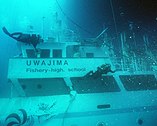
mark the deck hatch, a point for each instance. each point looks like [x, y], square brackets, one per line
[89, 85]
[139, 82]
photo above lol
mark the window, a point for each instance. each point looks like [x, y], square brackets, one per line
[45, 53]
[139, 82]
[44, 86]
[57, 53]
[89, 55]
[89, 85]
[31, 53]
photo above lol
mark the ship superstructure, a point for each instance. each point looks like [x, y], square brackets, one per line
[51, 87]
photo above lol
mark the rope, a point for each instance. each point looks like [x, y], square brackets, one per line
[71, 20]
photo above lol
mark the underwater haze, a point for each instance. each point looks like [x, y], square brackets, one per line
[78, 63]
[86, 17]
[21, 16]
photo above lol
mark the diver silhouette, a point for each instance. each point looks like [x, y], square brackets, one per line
[32, 39]
[103, 69]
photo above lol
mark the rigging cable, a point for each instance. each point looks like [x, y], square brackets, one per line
[114, 19]
[71, 20]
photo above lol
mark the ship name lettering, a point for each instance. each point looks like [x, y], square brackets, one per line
[46, 62]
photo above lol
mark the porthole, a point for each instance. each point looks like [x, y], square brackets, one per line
[23, 86]
[39, 86]
[140, 121]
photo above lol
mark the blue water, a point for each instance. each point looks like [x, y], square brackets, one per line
[86, 17]
[16, 16]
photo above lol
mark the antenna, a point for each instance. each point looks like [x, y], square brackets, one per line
[114, 19]
[43, 25]
[102, 33]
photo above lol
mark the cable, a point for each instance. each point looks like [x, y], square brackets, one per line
[72, 98]
[114, 19]
[71, 20]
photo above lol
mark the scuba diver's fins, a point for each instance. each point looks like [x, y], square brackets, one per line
[15, 35]
[32, 39]
[6, 31]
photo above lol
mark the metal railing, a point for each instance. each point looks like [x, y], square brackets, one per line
[133, 64]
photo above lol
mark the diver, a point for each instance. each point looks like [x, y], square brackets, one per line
[32, 39]
[103, 69]
[106, 68]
